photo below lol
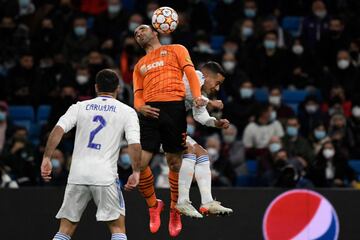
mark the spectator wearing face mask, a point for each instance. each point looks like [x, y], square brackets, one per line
[315, 26]
[19, 155]
[83, 84]
[242, 108]
[310, 114]
[270, 24]
[338, 102]
[305, 67]
[282, 110]
[222, 172]
[23, 81]
[235, 76]
[79, 41]
[59, 170]
[341, 134]
[250, 10]
[109, 25]
[267, 67]
[191, 126]
[124, 164]
[258, 133]
[354, 126]
[297, 146]
[331, 168]
[336, 39]
[233, 150]
[129, 55]
[345, 74]
[202, 50]
[319, 136]
[266, 160]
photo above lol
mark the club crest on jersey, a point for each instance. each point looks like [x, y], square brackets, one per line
[144, 68]
[163, 53]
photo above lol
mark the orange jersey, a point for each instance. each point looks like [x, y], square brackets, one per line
[158, 75]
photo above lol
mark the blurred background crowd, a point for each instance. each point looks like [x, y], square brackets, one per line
[291, 90]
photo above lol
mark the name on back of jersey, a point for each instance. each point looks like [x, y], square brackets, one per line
[98, 107]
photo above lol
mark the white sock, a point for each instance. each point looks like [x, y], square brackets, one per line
[186, 176]
[203, 178]
[118, 236]
[61, 236]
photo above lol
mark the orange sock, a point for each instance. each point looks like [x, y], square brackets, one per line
[146, 187]
[174, 192]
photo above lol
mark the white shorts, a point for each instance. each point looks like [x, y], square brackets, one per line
[108, 199]
[190, 141]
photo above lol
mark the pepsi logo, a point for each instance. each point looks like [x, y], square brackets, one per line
[300, 215]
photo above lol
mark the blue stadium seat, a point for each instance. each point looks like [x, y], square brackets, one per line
[17, 113]
[34, 134]
[43, 113]
[216, 42]
[294, 107]
[22, 123]
[293, 96]
[261, 95]
[251, 167]
[355, 164]
[292, 24]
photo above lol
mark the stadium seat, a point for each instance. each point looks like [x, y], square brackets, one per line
[355, 164]
[261, 95]
[251, 167]
[294, 96]
[294, 107]
[292, 24]
[216, 42]
[19, 113]
[42, 114]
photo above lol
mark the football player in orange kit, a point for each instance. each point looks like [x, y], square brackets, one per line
[159, 94]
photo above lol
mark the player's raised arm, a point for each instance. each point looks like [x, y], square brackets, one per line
[65, 124]
[189, 70]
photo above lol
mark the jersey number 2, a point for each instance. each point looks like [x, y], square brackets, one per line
[102, 121]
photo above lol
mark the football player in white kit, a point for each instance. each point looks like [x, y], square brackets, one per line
[100, 125]
[196, 159]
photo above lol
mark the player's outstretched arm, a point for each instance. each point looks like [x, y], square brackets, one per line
[52, 142]
[135, 155]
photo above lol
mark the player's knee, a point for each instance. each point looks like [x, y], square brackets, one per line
[189, 149]
[200, 151]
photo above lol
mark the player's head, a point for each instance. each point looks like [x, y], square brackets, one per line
[107, 81]
[145, 35]
[214, 76]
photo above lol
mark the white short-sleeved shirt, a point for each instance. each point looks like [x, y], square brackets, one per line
[258, 136]
[200, 114]
[100, 125]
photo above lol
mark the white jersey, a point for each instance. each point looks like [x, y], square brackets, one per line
[200, 114]
[100, 125]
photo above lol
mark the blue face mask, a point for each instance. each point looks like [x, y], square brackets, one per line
[125, 160]
[55, 163]
[247, 32]
[246, 92]
[269, 44]
[292, 131]
[190, 129]
[113, 9]
[2, 116]
[80, 31]
[249, 12]
[273, 116]
[319, 134]
[274, 147]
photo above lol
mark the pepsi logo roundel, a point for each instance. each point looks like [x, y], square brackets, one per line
[300, 215]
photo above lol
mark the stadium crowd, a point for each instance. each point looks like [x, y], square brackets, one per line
[271, 50]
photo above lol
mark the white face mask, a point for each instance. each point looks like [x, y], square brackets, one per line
[229, 65]
[311, 108]
[275, 100]
[356, 112]
[343, 64]
[133, 26]
[82, 79]
[328, 153]
[321, 14]
[150, 14]
[298, 49]
[229, 139]
[213, 154]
